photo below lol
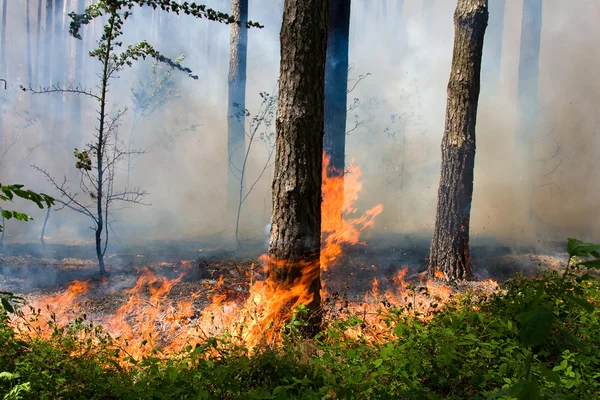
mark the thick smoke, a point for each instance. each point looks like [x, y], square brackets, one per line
[395, 124]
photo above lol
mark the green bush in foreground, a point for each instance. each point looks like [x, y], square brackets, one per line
[538, 338]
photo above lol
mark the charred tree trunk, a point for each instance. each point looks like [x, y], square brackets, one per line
[492, 51]
[294, 247]
[336, 91]
[450, 245]
[527, 111]
[236, 105]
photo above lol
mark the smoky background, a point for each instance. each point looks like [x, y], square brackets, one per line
[395, 125]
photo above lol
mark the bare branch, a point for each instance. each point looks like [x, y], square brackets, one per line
[57, 89]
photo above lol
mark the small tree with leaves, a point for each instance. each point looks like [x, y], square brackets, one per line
[97, 163]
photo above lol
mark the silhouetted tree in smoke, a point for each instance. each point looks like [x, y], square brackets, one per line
[236, 103]
[450, 255]
[77, 63]
[527, 109]
[294, 247]
[492, 50]
[47, 63]
[3, 71]
[97, 163]
[336, 89]
[28, 33]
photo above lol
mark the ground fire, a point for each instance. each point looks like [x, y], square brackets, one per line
[151, 317]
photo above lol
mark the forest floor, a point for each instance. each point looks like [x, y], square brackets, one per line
[27, 271]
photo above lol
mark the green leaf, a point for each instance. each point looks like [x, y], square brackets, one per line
[536, 326]
[590, 263]
[549, 374]
[7, 306]
[576, 247]
[377, 363]
[581, 302]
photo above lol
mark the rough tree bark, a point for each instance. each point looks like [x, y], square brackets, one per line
[527, 115]
[294, 246]
[336, 89]
[492, 51]
[450, 245]
[236, 105]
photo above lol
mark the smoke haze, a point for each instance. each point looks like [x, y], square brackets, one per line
[395, 124]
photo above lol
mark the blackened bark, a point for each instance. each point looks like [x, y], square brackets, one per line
[492, 51]
[336, 87]
[450, 245]
[236, 104]
[527, 105]
[294, 247]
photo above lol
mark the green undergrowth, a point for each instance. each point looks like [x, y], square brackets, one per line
[535, 339]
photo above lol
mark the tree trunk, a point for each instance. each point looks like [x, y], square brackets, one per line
[450, 245]
[38, 36]
[59, 64]
[47, 68]
[75, 138]
[294, 247]
[3, 71]
[527, 113]
[28, 27]
[236, 105]
[492, 51]
[336, 92]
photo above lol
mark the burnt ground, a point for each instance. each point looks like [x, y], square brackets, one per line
[29, 271]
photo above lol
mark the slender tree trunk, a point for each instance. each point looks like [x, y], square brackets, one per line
[492, 51]
[236, 105]
[100, 147]
[336, 92]
[527, 112]
[76, 100]
[450, 245]
[47, 75]
[59, 65]
[294, 247]
[3, 71]
[38, 36]
[28, 27]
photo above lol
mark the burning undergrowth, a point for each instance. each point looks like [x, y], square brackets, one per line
[170, 306]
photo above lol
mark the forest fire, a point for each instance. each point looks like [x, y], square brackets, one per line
[149, 319]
